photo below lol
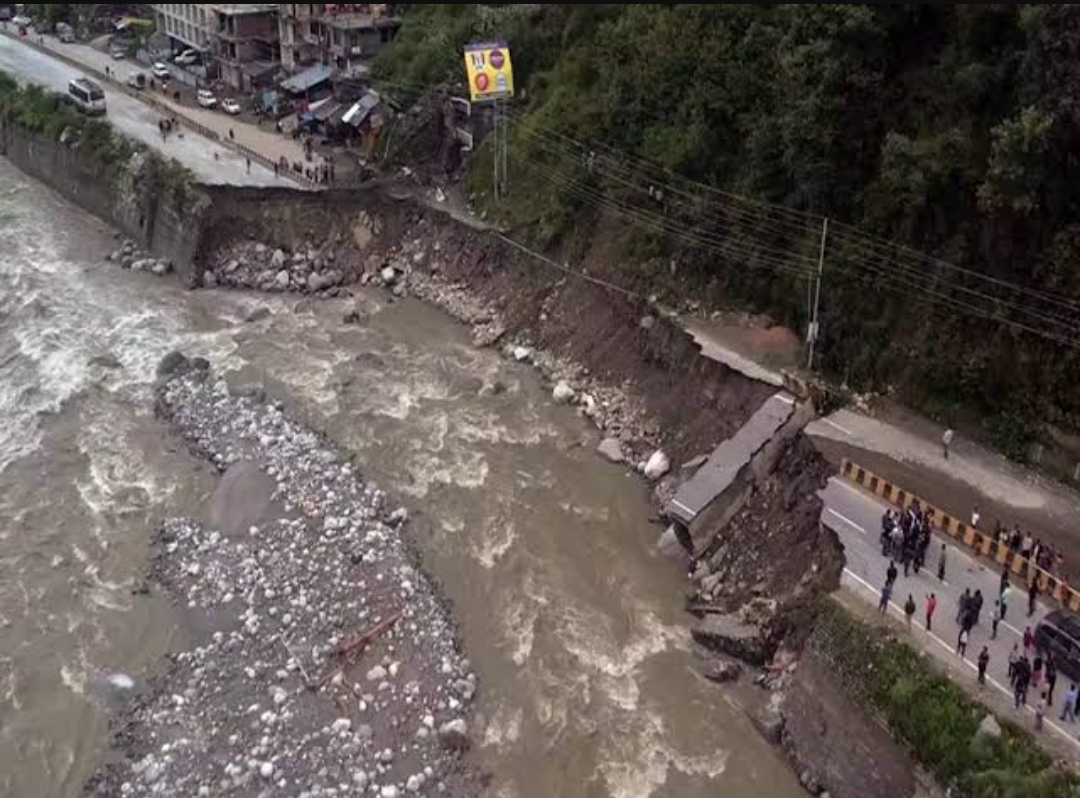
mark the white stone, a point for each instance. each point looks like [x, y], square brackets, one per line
[658, 466]
[361, 780]
[611, 450]
[267, 770]
[414, 784]
[341, 726]
[277, 261]
[376, 674]
[522, 354]
[389, 792]
[282, 279]
[563, 393]
[389, 275]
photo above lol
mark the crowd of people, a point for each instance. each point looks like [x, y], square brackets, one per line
[906, 540]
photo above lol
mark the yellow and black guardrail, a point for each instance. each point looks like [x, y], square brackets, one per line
[982, 545]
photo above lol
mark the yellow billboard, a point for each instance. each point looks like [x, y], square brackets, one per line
[491, 73]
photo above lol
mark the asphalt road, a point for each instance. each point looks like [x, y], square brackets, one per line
[856, 518]
[210, 162]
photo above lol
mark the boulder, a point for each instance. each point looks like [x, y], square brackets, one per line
[278, 259]
[259, 314]
[522, 354]
[658, 466]
[454, 735]
[209, 280]
[563, 393]
[722, 671]
[161, 268]
[282, 280]
[989, 729]
[611, 450]
[232, 266]
[731, 635]
[172, 364]
[648, 323]
[316, 282]
[389, 276]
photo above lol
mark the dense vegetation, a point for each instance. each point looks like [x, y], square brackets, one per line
[949, 129]
[934, 718]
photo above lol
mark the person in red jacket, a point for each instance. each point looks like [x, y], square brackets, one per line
[931, 611]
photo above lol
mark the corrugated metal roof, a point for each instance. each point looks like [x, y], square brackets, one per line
[313, 76]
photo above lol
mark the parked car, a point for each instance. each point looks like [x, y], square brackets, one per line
[5, 14]
[160, 71]
[22, 21]
[117, 54]
[187, 58]
[207, 99]
[1059, 634]
[137, 80]
[67, 36]
[231, 107]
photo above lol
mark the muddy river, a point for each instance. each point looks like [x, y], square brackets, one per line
[571, 619]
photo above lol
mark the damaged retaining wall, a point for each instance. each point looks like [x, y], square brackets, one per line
[133, 197]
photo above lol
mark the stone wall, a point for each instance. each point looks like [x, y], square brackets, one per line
[132, 197]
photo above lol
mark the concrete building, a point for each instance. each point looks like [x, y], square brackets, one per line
[188, 25]
[341, 35]
[245, 43]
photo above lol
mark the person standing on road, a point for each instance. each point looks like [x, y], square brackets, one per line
[962, 643]
[976, 607]
[941, 562]
[996, 620]
[1029, 643]
[963, 607]
[886, 597]
[1037, 673]
[892, 574]
[931, 611]
[249, 166]
[1014, 663]
[1004, 601]
[1068, 714]
[232, 135]
[909, 610]
[984, 664]
[1033, 597]
[1051, 679]
[1040, 713]
[1023, 681]
[946, 442]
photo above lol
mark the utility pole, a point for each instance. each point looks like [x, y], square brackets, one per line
[815, 326]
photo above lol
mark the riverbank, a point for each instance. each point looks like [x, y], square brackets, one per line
[324, 660]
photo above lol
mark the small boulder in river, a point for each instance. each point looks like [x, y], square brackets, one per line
[611, 450]
[454, 735]
[563, 394]
[277, 260]
[259, 314]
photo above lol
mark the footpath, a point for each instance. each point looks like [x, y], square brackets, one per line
[265, 147]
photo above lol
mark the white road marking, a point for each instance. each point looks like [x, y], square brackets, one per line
[836, 426]
[785, 399]
[952, 650]
[847, 521]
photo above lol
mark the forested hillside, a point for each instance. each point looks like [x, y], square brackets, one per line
[952, 130]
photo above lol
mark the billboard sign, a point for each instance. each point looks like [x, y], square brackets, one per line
[491, 73]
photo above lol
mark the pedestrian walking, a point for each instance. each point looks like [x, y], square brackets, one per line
[1023, 682]
[996, 620]
[962, 643]
[1051, 679]
[249, 166]
[232, 135]
[1068, 714]
[277, 169]
[984, 664]
[886, 532]
[1033, 597]
[941, 562]
[909, 610]
[1014, 663]
[1004, 579]
[892, 574]
[1006, 593]
[1029, 643]
[976, 607]
[947, 441]
[886, 597]
[1038, 670]
[1040, 713]
[963, 607]
[931, 611]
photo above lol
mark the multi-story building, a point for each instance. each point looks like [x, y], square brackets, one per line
[336, 34]
[188, 25]
[245, 42]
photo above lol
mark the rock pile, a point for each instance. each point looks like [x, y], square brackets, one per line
[130, 256]
[311, 269]
[269, 704]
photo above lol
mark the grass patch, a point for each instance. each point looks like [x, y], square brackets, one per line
[934, 718]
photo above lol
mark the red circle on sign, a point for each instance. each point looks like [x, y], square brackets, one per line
[482, 82]
[497, 59]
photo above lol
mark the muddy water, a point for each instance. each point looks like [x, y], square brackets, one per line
[571, 620]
